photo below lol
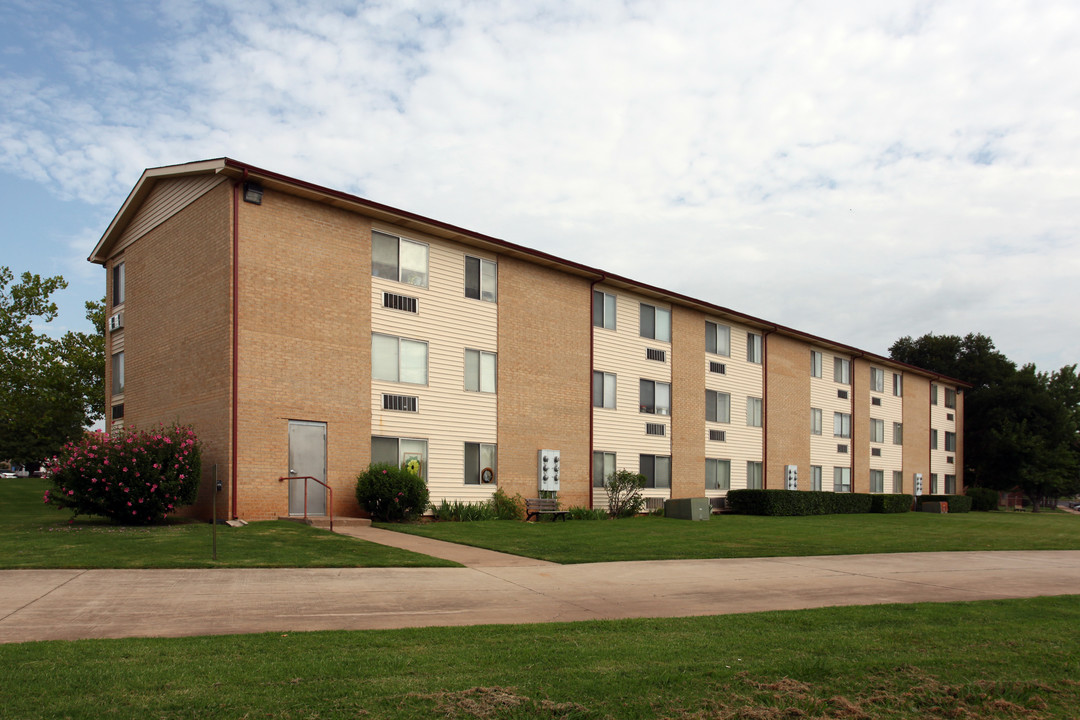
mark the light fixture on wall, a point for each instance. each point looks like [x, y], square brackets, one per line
[253, 193]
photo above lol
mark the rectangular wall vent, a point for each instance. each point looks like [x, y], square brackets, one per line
[718, 368]
[401, 403]
[951, 460]
[659, 355]
[842, 394]
[876, 452]
[948, 416]
[718, 435]
[399, 302]
[655, 429]
[875, 401]
[841, 448]
[118, 412]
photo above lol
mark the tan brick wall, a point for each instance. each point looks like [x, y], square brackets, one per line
[687, 403]
[544, 377]
[960, 395]
[305, 346]
[176, 336]
[860, 426]
[787, 410]
[916, 431]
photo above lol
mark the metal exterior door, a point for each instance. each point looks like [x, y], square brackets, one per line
[307, 456]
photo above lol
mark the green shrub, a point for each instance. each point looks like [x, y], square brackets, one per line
[134, 477]
[797, 502]
[584, 513]
[506, 507]
[982, 499]
[391, 493]
[891, 503]
[957, 503]
[624, 493]
[499, 506]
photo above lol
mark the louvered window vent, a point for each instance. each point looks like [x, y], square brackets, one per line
[876, 452]
[399, 302]
[659, 355]
[655, 429]
[718, 435]
[841, 448]
[842, 394]
[718, 368]
[401, 403]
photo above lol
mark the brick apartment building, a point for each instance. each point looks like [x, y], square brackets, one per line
[305, 331]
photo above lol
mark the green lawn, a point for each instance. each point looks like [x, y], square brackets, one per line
[725, 536]
[998, 659]
[34, 535]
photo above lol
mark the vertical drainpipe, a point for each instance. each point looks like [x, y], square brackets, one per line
[592, 361]
[235, 337]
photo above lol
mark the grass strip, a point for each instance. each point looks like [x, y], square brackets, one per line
[35, 535]
[994, 659]
[737, 536]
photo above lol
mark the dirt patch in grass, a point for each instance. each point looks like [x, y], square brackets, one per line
[488, 703]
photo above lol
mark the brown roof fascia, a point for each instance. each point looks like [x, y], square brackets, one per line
[395, 216]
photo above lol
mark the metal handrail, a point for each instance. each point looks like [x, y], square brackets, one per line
[329, 489]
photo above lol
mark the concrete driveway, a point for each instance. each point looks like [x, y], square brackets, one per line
[73, 604]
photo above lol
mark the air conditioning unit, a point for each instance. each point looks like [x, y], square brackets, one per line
[116, 321]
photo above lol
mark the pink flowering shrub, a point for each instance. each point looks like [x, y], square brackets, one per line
[133, 477]
[391, 493]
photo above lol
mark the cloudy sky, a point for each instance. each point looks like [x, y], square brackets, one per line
[858, 170]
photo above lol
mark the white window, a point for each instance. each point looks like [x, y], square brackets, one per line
[950, 484]
[753, 475]
[815, 421]
[480, 371]
[118, 373]
[753, 348]
[897, 481]
[717, 406]
[717, 474]
[950, 398]
[479, 463]
[655, 323]
[897, 433]
[655, 397]
[396, 258]
[933, 394]
[877, 380]
[603, 464]
[933, 439]
[815, 364]
[841, 479]
[933, 484]
[603, 310]
[841, 425]
[753, 412]
[398, 360]
[898, 385]
[842, 370]
[877, 430]
[118, 284]
[408, 453]
[815, 477]
[481, 279]
[656, 469]
[950, 441]
[603, 389]
[717, 339]
[877, 481]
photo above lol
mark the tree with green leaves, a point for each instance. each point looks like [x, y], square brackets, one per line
[1020, 426]
[50, 387]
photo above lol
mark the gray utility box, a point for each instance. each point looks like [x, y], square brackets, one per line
[687, 508]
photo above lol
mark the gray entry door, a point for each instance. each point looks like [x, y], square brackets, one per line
[307, 456]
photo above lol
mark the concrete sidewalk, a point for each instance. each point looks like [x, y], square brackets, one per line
[72, 604]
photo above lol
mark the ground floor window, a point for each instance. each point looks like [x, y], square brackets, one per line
[933, 483]
[842, 479]
[656, 469]
[815, 478]
[753, 475]
[950, 484]
[603, 465]
[898, 481]
[479, 463]
[408, 453]
[877, 481]
[717, 474]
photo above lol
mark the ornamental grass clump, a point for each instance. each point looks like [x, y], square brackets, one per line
[391, 493]
[132, 477]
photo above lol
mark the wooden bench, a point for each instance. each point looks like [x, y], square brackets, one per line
[535, 507]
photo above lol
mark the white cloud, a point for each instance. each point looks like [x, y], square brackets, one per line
[858, 170]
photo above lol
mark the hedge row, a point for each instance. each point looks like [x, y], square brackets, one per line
[957, 503]
[799, 502]
[982, 499]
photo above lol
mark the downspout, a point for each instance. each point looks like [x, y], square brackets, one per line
[592, 361]
[235, 338]
[765, 407]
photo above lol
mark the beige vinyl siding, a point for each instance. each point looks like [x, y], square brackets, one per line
[449, 416]
[623, 352]
[890, 411]
[166, 199]
[823, 394]
[741, 380]
[939, 458]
